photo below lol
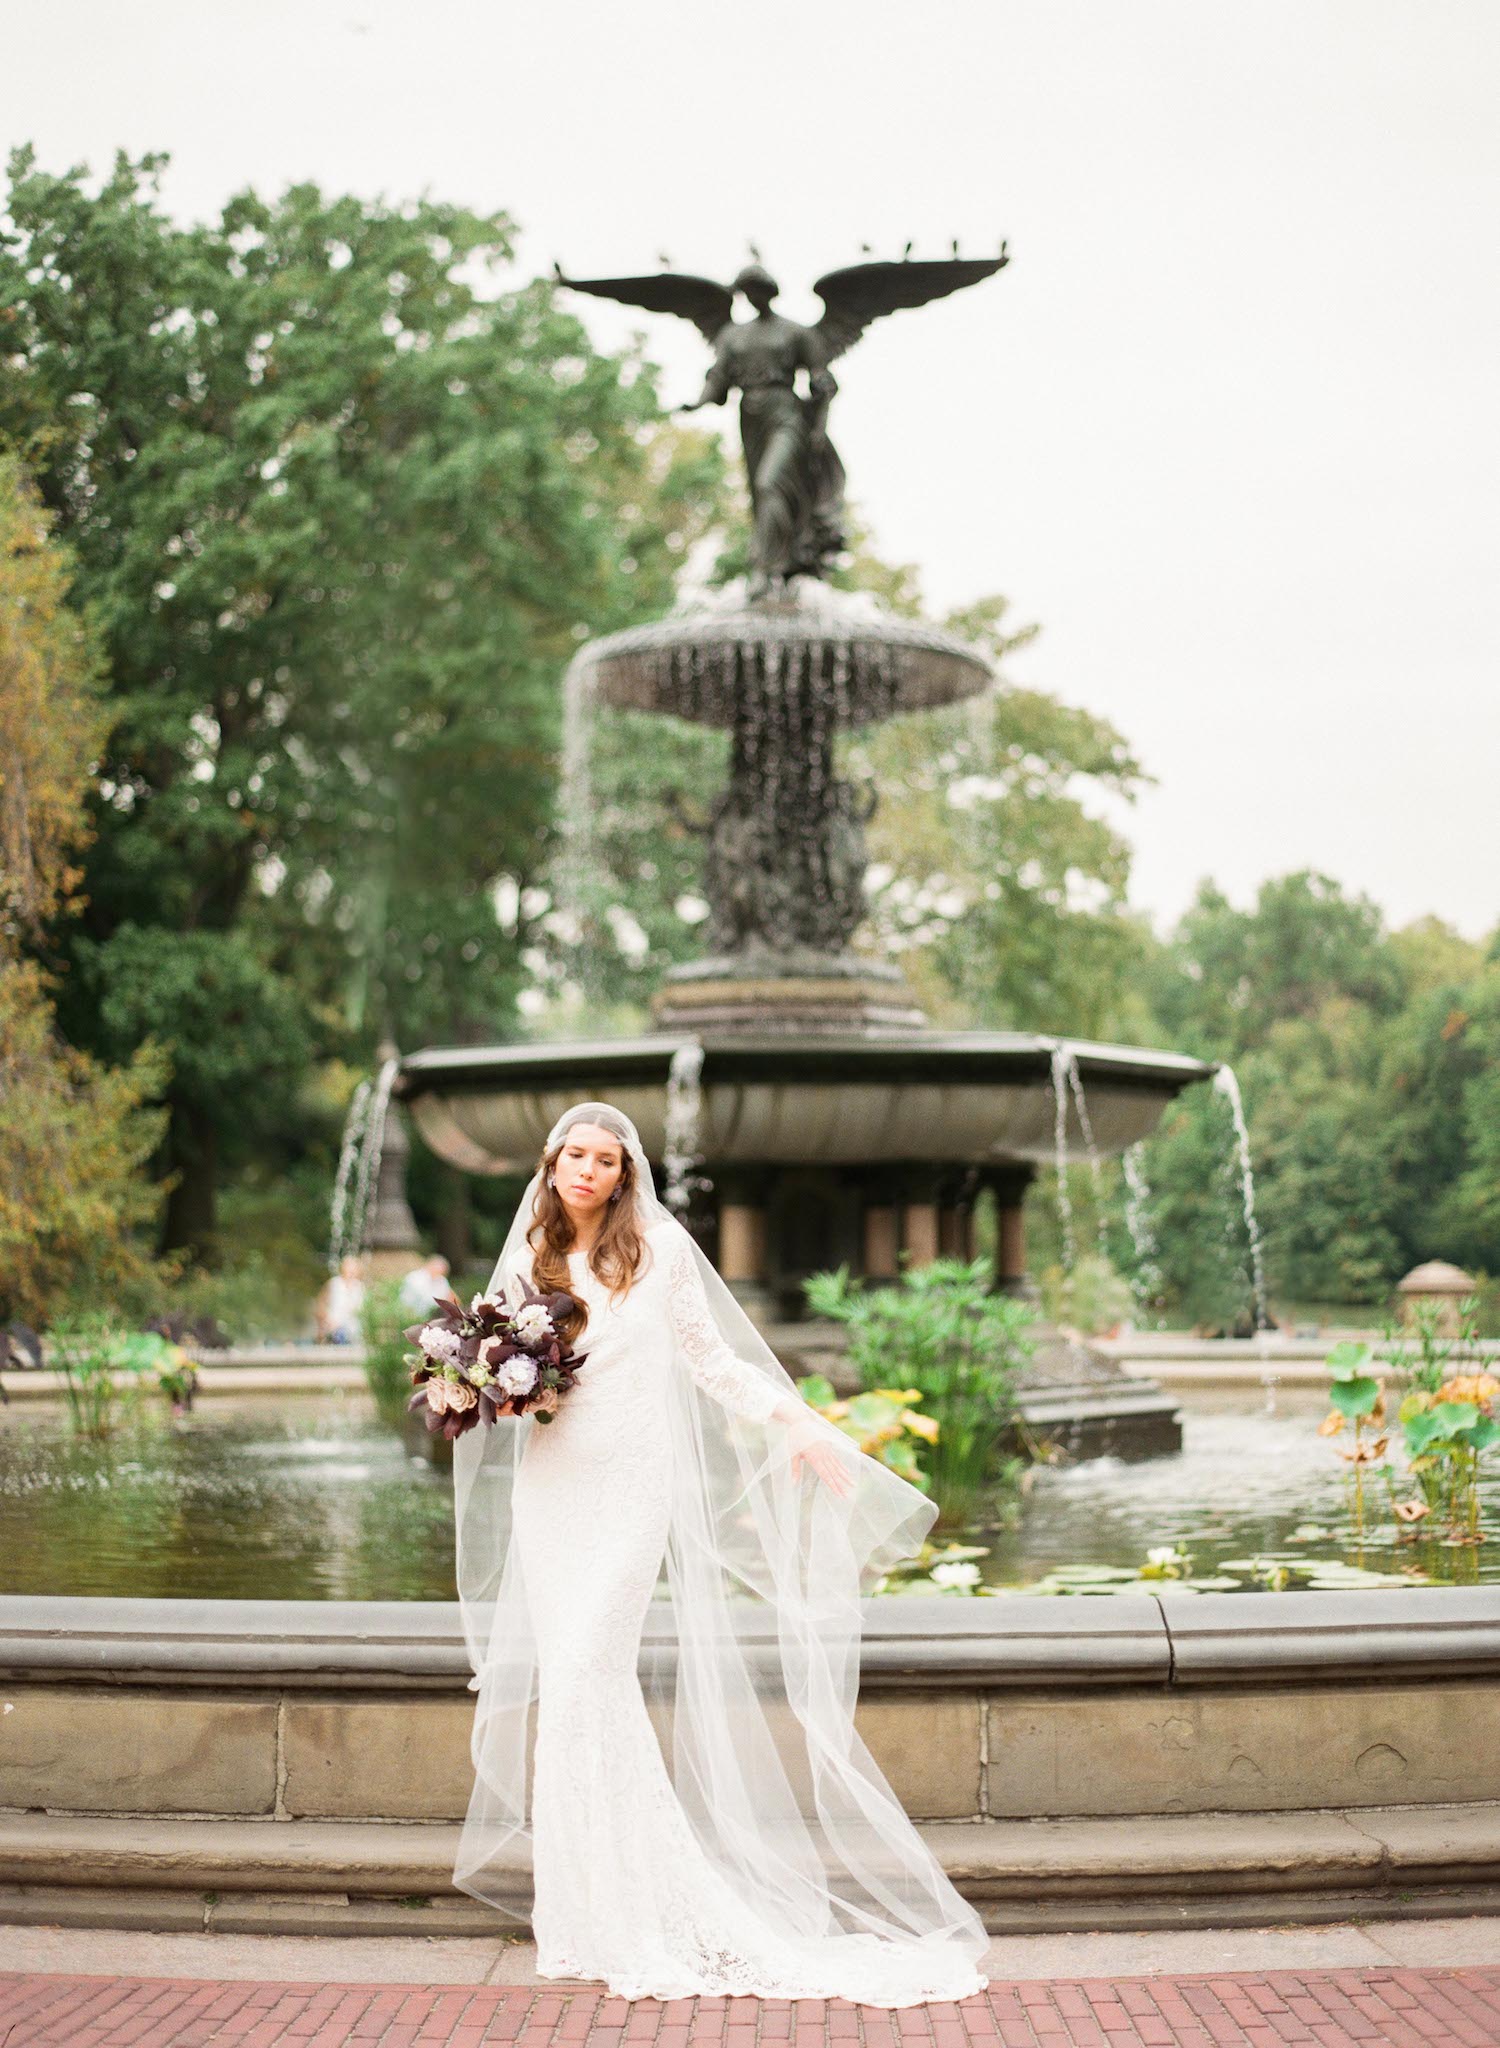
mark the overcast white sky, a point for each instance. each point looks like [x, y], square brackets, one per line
[1228, 426]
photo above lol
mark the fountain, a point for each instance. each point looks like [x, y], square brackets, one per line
[805, 1112]
[1167, 1760]
[369, 1214]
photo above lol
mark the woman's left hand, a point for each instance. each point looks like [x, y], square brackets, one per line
[828, 1462]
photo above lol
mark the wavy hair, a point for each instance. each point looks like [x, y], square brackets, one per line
[616, 1255]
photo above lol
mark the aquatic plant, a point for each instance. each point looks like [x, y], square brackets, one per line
[383, 1320]
[883, 1422]
[1446, 1416]
[940, 1331]
[1358, 1400]
[106, 1370]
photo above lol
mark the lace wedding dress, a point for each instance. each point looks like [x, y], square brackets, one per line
[623, 1889]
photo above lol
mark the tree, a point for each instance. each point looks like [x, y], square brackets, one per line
[996, 881]
[51, 722]
[1366, 1060]
[1231, 974]
[76, 1201]
[342, 521]
[74, 1135]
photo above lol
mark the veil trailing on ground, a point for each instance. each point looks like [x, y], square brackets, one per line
[750, 1658]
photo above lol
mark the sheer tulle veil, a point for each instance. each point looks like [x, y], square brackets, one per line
[750, 1660]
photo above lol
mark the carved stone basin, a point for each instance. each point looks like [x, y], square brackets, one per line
[973, 1098]
[721, 659]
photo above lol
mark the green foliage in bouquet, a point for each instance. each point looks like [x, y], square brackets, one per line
[940, 1332]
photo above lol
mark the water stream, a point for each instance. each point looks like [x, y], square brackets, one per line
[359, 1165]
[681, 1151]
[1227, 1084]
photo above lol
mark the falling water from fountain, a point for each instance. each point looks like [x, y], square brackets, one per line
[1066, 1081]
[1086, 1125]
[1060, 1149]
[1147, 1281]
[1226, 1081]
[349, 1150]
[359, 1164]
[576, 858]
[681, 1153]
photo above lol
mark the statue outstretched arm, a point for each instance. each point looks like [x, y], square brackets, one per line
[719, 382]
[863, 292]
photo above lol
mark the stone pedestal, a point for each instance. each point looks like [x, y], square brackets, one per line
[763, 992]
[1435, 1289]
[392, 1242]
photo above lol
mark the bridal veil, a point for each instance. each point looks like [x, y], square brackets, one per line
[750, 1660]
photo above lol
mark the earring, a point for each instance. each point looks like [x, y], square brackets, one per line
[551, 1180]
[615, 1196]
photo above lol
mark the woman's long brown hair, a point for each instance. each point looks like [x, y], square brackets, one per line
[617, 1252]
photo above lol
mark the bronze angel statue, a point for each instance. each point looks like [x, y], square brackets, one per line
[796, 478]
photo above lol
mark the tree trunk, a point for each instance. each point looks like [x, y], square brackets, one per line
[193, 1156]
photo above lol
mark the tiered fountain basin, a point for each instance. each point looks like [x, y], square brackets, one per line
[814, 1149]
[809, 656]
[979, 1099]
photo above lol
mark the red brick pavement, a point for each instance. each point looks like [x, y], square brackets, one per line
[1379, 2008]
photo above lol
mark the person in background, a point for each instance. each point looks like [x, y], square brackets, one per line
[337, 1312]
[426, 1284]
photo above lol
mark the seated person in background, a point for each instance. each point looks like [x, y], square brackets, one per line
[337, 1309]
[426, 1284]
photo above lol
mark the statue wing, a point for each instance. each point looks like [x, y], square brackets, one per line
[708, 305]
[853, 297]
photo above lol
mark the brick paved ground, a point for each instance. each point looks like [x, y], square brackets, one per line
[1380, 2008]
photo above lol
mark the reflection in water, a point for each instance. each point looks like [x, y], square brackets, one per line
[312, 1497]
[303, 1497]
[1246, 1485]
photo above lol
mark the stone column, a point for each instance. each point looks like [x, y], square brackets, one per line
[1009, 1185]
[956, 1215]
[742, 1241]
[742, 1249]
[921, 1218]
[881, 1241]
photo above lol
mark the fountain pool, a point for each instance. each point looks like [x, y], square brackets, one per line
[315, 1498]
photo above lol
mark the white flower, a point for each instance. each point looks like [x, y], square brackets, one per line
[959, 1574]
[1165, 1553]
[516, 1375]
[445, 1346]
[533, 1323]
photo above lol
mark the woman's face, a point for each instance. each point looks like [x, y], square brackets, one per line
[588, 1169]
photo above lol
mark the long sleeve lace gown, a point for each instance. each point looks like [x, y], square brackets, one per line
[624, 1889]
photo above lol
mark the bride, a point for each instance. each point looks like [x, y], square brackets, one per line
[704, 1819]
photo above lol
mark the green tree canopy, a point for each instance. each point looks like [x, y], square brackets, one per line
[75, 1203]
[342, 512]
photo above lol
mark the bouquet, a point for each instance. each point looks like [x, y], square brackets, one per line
[490, 1359]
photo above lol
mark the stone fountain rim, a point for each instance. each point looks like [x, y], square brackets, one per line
[1193, 1639]
[728, 1055]
[847, 618]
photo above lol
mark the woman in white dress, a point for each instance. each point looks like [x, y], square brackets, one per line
[704, 1819]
